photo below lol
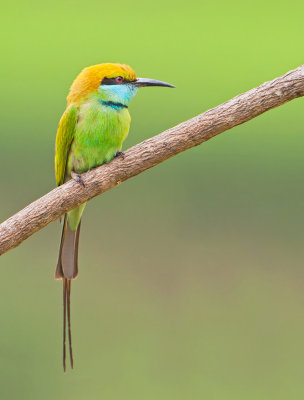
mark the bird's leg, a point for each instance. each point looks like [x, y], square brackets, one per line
[77, 178]
[120, 154]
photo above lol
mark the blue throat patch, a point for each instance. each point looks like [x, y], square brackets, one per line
[117, 94]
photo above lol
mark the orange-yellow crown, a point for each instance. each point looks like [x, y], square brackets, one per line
[90, 79]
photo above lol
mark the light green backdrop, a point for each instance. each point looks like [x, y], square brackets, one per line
[191, 278]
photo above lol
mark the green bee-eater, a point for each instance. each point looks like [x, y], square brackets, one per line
[91, 132]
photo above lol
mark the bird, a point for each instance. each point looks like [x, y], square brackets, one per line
[91, 132]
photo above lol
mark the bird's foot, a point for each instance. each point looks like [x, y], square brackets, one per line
[77, 178]
[120, 154]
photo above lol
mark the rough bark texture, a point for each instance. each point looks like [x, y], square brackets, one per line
[149, 153]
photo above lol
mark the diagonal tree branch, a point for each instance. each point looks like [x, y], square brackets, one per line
[149, 153]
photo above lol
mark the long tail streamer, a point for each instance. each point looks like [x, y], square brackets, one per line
[67, 319]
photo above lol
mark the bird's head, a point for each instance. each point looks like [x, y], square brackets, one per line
[112, 82]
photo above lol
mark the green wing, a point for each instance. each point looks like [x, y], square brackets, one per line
[64, 138]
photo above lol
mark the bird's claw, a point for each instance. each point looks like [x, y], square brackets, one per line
[77, 178]
[120, 154]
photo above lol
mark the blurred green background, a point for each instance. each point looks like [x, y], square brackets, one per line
[191, 274]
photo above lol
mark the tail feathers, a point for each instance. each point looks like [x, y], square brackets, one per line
[67, 318]
[67, 265]
[67, 269]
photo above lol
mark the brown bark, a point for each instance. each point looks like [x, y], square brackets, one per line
[149, 153]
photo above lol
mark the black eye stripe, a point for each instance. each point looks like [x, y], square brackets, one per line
[108, 81]
[112, 81]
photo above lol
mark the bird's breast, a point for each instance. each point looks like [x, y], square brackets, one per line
[99, 134]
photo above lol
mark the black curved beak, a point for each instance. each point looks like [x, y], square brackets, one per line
[141, 82]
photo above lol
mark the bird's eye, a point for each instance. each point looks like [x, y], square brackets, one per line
[119, 79]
